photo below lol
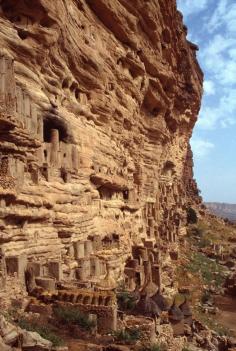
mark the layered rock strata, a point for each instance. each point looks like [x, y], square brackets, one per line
[98, 103]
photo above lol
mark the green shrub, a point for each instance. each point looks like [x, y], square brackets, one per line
[72, 315]
[126, 301]
[191, 216]
[204, 242]
[127, 335]
[43, 330]
[198, 230]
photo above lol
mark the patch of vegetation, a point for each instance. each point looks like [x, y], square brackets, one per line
[127, 335]
[198, 234]
[126, 301]
[43, 330]
[212, 230]
[10, 314]
[212, 324]
[72, 315]
[211, 272]
[191, 216]
[179, 298]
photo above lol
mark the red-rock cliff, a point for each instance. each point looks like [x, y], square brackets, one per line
[98, 102]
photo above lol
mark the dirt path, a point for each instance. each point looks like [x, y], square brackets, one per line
[227, 315]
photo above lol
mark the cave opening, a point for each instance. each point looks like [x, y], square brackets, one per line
[49, 124]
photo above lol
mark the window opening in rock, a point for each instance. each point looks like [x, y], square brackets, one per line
[155, 111]
[137, 279]
[23, 34]
[73, 86]
[105, 193]
[47, 22]
[77, 94]
[126, 194]
[64, 175]
[65, 83]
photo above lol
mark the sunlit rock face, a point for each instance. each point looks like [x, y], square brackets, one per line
[98, 103]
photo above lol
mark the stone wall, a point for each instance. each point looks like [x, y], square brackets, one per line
[98, 102]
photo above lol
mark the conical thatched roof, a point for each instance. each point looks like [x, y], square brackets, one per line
[160, 301]
[186, 309]
[149, 288]
[135, 294]
[175, 313]
[147, 307]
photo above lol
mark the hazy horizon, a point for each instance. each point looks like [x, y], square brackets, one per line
[219, 202]
[212, 26]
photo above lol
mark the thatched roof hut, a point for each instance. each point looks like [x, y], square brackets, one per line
[147, 307]
[175, 313]
[160, 301]
[186, 309]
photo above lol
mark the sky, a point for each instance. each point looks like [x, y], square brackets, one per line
[212, 26]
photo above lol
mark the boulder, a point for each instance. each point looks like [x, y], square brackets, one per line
[8, 332]
[33, 341]
[3, 346]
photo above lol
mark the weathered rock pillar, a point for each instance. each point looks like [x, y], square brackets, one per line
[95, 263]
[3, 270]
[2, 75]
[54, 147]
[79, 249]
[75, 158]
[88, 247]
[156, 276]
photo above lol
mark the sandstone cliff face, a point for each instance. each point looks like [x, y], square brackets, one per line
[98, 102]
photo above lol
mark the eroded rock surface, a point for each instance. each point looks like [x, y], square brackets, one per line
[98, 102]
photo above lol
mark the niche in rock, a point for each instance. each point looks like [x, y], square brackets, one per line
[168, 169]
[126, 194]
[59, 150]
[23, 34]
[171, 122]
[152, 104]
[166, 36]
[52, 124]
[111, 240]
[109, 193]
[26, 12]
[106, 193]
[12, 12]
